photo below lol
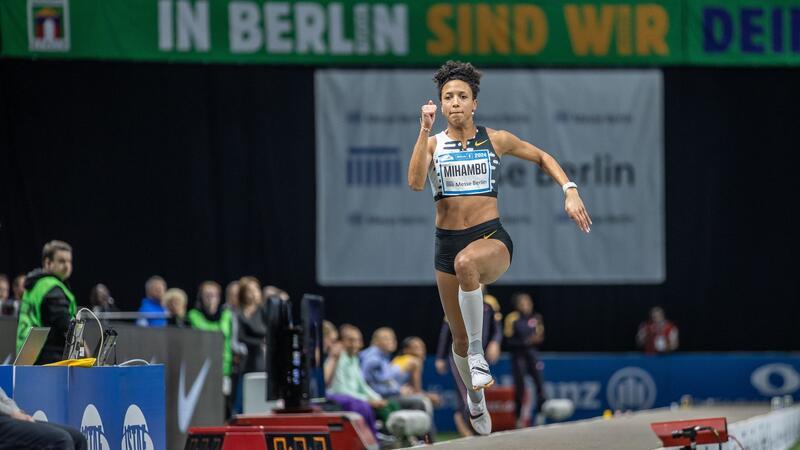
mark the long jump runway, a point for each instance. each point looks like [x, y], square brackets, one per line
[624, 432]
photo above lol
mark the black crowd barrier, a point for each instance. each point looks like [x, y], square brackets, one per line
[193, 369]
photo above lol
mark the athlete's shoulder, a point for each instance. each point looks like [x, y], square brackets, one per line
[502, 141]
[496, 134]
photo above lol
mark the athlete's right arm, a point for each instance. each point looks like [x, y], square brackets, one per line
[422, 154]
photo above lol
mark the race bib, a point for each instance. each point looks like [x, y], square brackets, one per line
[467, 172]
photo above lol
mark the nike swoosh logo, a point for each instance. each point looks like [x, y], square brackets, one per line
[187, 403]
[478, 144]
[487, 236]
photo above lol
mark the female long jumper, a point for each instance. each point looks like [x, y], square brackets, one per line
[472, 248]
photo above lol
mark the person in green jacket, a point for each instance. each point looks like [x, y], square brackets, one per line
[209, 315]
[48, 301]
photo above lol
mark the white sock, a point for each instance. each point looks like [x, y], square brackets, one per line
[471, 304]
[463, 369]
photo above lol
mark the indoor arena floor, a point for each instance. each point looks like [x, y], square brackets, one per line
[624, 432]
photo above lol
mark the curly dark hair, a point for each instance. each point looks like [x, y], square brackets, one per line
[457, 70]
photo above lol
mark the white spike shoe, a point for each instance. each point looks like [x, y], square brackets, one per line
[479, 372]
[479, 416]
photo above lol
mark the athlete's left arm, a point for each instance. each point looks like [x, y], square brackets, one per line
[506, 143]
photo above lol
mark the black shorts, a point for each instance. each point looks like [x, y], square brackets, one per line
[450, 242]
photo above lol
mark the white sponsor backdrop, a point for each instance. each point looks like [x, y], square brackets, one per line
[604, 126]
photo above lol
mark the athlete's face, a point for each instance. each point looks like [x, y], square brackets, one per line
[60, 265]
[458, 104]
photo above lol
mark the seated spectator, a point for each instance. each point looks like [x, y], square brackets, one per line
[175, 300]
[232, 295]
[101, 299]
[657, 335]
[381, 375]
[387, 379]
[273, 291]
[252, 328]
[8, 307]
[412, 360]
[19, 430]
[333, 350]
[347, 377]
[154, 290]
[18, 287]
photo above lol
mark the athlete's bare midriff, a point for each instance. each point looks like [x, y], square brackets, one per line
[458, 213]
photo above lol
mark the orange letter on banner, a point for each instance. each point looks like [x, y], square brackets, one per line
[276, 441]
[321, 440]
[301, 440]
[589, 34]
[493, 29]
[529, 16]
[652, 25]
[445, 40]
[464, 29]
[624, 30]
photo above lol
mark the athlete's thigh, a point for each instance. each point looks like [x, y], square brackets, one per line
[491, 257]
[448, 293]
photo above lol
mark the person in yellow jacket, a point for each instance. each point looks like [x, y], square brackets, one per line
[48, 301]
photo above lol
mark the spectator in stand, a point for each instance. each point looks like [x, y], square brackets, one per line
[20, 431]
[175, 301]
[524, 331]
[9, 302]
[492, 336]
[5, 287]
[387, 379]
[154, 290]
[101, 300]
[412, 360]
[348, 378]
[657, 335]
[252, 328]
[6, 302]
[273, 291]
[232, 295]
[18, 287]
[333, 350]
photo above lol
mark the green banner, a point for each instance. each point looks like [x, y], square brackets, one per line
[347, 32]
[744, 32]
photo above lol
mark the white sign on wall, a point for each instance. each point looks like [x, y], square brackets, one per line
[605, 127]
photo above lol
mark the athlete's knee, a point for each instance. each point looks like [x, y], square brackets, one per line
[464, 264]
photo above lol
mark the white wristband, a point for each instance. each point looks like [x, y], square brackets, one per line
[567, 186]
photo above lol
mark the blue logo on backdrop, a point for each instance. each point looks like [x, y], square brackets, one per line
[374, 166]
[631, 388]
